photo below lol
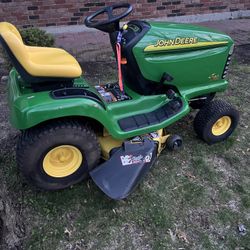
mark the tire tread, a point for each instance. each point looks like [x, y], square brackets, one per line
[213, 110]
[28, 139]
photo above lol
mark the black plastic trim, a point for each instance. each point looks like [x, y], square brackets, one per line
[147, 119]
[67, 93]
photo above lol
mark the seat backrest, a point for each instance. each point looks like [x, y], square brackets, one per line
[8, 27]
[18, 53]
[12, 38]
[12, 42]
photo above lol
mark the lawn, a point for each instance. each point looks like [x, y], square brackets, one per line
[192, 199]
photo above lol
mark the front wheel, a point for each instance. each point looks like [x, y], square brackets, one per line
[216, 121]
[174, 142]
[57, 155]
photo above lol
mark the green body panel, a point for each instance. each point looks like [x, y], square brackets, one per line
[191, 68]
[29, 109]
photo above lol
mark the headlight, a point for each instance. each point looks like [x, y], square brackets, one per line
[231, 51]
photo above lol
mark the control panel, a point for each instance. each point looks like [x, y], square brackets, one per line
[111, 93]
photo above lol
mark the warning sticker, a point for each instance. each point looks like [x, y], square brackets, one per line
[132, 159]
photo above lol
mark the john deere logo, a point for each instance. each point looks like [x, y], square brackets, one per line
[176, 41]
[182, 43]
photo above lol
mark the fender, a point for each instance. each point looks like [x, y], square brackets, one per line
[28, 109]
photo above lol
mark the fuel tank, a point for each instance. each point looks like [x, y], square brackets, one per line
[194, 56]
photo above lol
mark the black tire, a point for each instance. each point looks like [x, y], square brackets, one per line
[209, 115]
[174, 142]
[34, 144]
[198, 104]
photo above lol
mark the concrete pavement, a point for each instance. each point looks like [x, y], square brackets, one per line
[92, 45]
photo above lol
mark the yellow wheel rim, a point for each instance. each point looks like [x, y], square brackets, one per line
[221, 126]
[62, 161]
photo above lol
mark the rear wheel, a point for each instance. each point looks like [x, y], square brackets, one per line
[216, 121]
[57, 155]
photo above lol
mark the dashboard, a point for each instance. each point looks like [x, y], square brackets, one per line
[134, 32]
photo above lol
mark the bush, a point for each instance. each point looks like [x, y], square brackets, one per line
[31, 37]
[37, 37]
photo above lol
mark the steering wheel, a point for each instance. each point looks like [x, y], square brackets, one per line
[112, 23]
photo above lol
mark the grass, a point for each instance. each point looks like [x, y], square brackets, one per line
[192, 199]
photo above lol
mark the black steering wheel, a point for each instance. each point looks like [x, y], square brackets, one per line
[112, 23]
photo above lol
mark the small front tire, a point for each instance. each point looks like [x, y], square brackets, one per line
[216, 121]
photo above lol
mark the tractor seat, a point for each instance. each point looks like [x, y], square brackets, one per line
[37, 64]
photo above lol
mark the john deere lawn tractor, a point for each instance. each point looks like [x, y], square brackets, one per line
[113, 132]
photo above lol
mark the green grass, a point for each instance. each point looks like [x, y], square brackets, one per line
[202, 192]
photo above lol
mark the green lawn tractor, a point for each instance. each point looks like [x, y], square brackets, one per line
[113, 132]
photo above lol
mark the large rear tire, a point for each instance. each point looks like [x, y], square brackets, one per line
[57, 155]
[216, 121]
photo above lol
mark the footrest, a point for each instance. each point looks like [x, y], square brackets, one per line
[157, 116]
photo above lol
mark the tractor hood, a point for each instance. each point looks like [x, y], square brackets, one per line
[167, 37]
[195, 57]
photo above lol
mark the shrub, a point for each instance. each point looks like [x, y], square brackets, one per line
[37, 37]
[31, 37]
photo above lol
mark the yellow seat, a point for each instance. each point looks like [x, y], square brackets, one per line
[40, 62]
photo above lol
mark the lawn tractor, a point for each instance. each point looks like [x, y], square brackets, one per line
[113, 132]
